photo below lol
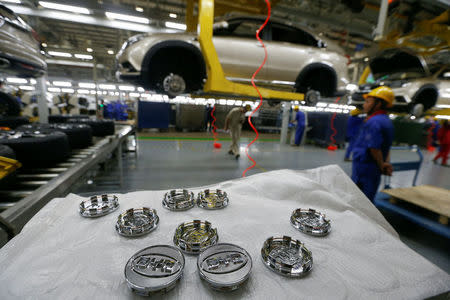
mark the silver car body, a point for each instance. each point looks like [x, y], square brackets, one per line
[19, 50]
[414, 79]
[241, 56]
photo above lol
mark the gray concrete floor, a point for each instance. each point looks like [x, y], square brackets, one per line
[167, 164]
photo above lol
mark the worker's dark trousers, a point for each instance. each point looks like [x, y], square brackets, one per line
[367, 177]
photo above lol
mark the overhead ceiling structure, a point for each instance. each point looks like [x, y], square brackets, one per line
[93, 31]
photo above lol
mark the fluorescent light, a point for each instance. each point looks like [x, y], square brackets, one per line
[134, 95]
[16, 80]
[86, 85]
[443, 117]
[69, 8]
[44, 45]
[175, 25]
[93, 92]
[60, 54]
[174, 16]
[83, 91]
[89, 49]
[54, 90]
[67, 90]
[140, 89]
[129, 18]
[139, 9]
[126, 88]
[116, 94]
[110, 52]
[33, 81]
[12, 1]
[26, 87]
[107, 86]
[62, 83]
[83, 56]
[72, 63]
[443, 106]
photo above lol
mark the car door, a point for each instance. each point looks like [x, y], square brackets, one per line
[289, 50]
[239, 52]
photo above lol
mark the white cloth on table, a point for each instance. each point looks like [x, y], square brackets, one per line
[61, 255]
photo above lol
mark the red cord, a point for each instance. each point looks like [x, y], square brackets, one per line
[254, 85]
[333, 141]
[213, 124]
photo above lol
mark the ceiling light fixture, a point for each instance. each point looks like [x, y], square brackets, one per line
[129, 18]
[12, 1]
[126, 88]
[89, 49]
[107, 86]
[60, 54]
[26, 87]
[62, 83]
[83, 56]
[86, 85]
[110, 52]
[139, 9]
[44, 45]
[70, 91]
[54, 90]
[174, 16]
[175, 25]
[16, 80]
[69, 8]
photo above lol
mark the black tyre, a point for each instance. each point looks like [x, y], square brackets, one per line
[13, 122]
[79, 135]
[99, 127]
[6, 151]
[64, 118]
[37, 148]
[9, 106]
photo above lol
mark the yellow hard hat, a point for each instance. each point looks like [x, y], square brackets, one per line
[296, 108]
[382, 92]
[355, 112]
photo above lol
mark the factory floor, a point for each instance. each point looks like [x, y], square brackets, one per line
[174, 160]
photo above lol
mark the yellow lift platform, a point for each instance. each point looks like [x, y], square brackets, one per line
[8, 166]
[216, 82]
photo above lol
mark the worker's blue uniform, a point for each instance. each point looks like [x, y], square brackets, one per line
[377, 133]
[300, 118]
[353, 125]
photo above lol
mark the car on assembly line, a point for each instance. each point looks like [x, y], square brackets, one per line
[298, 60]
[419, 83]
[19, 47]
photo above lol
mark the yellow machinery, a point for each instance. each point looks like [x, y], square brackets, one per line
[8, 166]
[216, 82]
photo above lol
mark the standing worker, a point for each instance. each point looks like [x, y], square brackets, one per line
[371, 148]
[444, 143]
[234, 120]
[300, 119]
[208, 118]
[353, 125]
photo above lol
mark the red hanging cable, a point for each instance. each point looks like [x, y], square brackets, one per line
[213, 124]
[332, 146]
[254, 85]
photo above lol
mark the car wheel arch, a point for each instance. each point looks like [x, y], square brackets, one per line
[172, 44]
[314, 67]
[427, 88]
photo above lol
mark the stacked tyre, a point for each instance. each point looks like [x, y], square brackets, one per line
[100, 128]
[37, 148]
[79, 135]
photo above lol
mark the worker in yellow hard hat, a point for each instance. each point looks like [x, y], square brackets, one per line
[233, 121]
[371, 148]
[354, 123]
[300, 120]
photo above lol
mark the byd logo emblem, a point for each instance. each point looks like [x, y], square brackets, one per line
[155, 265]
[224, 262]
